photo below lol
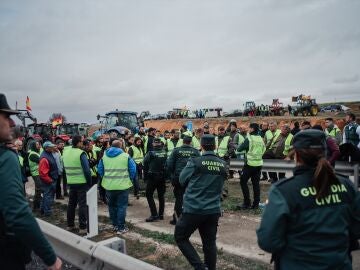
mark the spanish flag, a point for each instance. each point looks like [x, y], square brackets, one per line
[28, 107]
[57, 121]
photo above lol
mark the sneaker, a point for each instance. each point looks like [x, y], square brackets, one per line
[122, 231]
[115, 228]
[152, 219]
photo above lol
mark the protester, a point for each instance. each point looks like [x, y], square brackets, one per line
[60, 145]
[119, 173]
[333, 131]
[49, 174]
[79, 180]
[351, 131]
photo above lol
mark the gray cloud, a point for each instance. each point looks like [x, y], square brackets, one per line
[88, 57]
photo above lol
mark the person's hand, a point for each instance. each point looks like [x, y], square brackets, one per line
[57, 265]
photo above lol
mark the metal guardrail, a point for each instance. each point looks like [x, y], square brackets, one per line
[276, 165]
[89, 255]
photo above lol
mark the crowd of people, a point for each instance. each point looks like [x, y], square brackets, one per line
[197, 165]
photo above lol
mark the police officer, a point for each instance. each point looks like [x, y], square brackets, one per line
[174, 165]
[312, 219]
[154, 176]
[203, 177]
[255, 148]
[19, 231]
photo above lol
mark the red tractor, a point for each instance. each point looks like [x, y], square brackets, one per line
[277, 108]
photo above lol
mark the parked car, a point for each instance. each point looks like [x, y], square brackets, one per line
[332, 108]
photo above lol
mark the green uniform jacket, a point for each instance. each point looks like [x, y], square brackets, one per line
[303, 232]
[155, 162]
[178, 159]
[203, 178]
[15, 215]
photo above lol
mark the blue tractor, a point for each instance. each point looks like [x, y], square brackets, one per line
[116, 123]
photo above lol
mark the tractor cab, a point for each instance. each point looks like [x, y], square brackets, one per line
[116, 123]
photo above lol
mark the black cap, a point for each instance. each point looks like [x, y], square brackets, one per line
[254, 126]
[4, 106]
[187, 139]
[208, 139]
[310, 139]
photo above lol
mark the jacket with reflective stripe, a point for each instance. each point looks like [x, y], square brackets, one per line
[34, 167]
[269, 135]
[138, 155]
[256, 150]
[222, 149]
[116, 172]
[73, 168]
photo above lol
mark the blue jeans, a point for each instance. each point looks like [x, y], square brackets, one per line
[118, 202]
[47, 200]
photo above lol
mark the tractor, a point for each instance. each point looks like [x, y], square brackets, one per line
[305, 105]
[276, 108]
[66, 131]
[117, 123]
[249, 108]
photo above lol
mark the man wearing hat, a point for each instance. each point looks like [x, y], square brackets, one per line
[254, 147]
[203, 177]
[19, 231]
[314, 212]
[174, 165]
[154, 176]
[49, 174]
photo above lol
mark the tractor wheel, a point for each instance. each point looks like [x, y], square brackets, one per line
[305, 112]
[314, 110]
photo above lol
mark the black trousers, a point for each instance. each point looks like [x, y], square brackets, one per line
[77, 195]
[62, 178]
[156, 182]
[178, 194]
[207, 226]
[253, 173]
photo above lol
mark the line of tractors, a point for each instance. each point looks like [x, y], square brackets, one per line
[301, 105]
[48, 131]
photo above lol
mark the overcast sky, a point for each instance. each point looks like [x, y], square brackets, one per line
[87, 57]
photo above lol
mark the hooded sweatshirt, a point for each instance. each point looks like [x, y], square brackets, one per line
[113, 152]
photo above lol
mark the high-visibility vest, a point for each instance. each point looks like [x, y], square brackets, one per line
[146, 139]
[21, 161]
[116, 172]
[163, 140]
[222, 149]
[269, 135]
[93, 169]
[195, 142]
[288, 144]
[256, 150]
[73, 168]
[138, 155]
[276, 136]
[187, 133]
[96, 148]
[333, 132]
[171, 146]
[241, 140]
[34, 167]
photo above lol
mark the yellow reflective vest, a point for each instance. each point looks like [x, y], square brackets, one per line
[73, 168]
[256, 150]
[116, 172]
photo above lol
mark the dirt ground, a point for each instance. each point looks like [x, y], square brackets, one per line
[154, 243]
